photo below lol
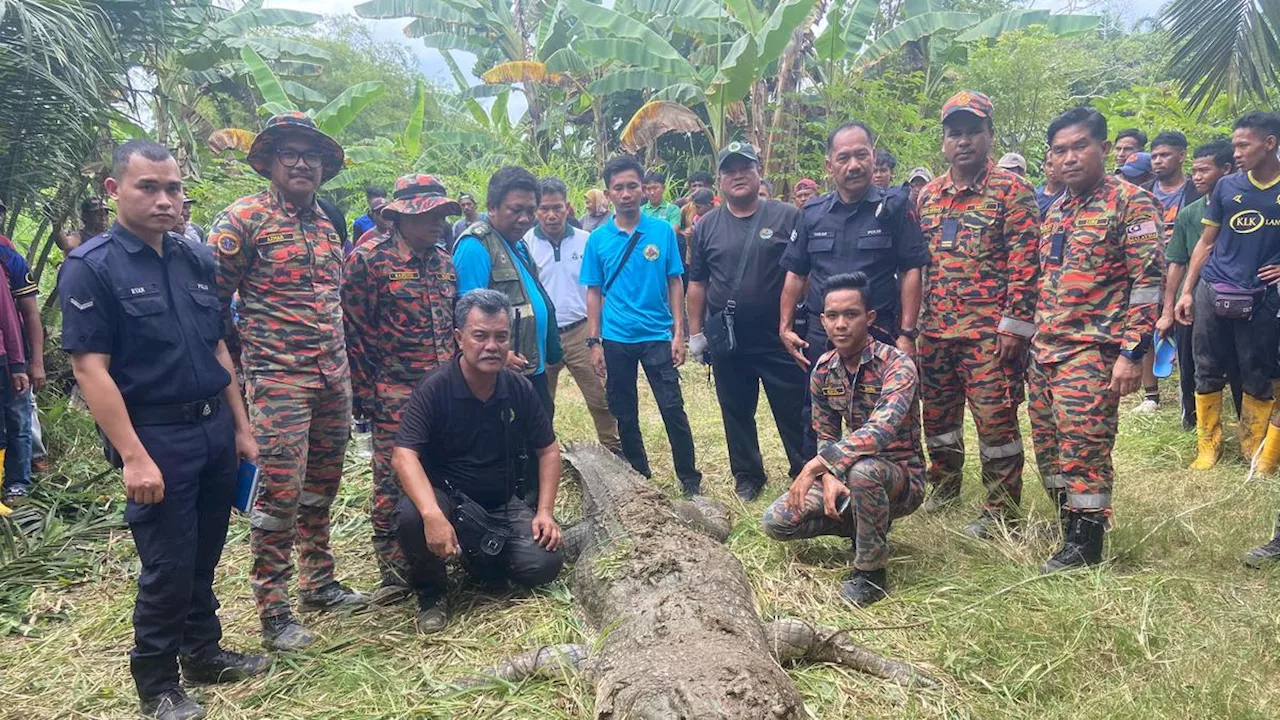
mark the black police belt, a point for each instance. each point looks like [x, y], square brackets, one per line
[192, 413]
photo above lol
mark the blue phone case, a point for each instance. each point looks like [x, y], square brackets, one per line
[246, 486]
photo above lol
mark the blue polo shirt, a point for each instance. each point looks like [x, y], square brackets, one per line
[471, 263]
[636, 308]
[1247, 215]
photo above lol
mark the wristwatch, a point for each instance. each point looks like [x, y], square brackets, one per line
[909, 333]
[592, 342]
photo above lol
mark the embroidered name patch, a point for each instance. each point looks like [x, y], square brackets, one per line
[274, 238]
[833, 391]
[405, 275]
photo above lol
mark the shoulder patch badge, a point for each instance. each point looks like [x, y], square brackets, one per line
[229, 245]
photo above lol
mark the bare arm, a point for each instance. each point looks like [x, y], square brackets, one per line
[675, 295]
[697, 306]
[595, 301]
[246, 443]
[545, 530]
[29, 308]
[792, 288]
[439, 533]
[910, 292]
[142, 480]
[1199, 256]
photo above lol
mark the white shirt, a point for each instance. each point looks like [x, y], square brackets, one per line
[559, 268]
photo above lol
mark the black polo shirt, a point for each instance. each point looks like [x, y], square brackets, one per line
[156, 316]
[460, 439]
[879, 236]
[718, 242]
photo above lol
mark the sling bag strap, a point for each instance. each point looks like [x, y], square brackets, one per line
[626, 255]
[750, 248]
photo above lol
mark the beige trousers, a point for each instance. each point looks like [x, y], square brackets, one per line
[577, 358]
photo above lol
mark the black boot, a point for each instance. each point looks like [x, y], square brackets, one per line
[1082, 544]
[284, 632]
[942, 496]
[334, 596]
[1265, 555]
[865, 587]
[173, 705]
[220, 666]
[433, 614]
[748, 489]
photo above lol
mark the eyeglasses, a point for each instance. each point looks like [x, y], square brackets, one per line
[290, 158]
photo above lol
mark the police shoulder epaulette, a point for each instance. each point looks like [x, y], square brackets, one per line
[89, 245]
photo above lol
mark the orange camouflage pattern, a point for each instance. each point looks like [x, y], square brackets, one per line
[982, 275]
[1101, 271]
[398, 308]
[877, 455]
[286, 264]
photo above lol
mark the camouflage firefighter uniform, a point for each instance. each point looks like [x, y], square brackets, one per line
[285, 262]
[980, 285]
[398, 307]
[878, 458]
[1101, 269]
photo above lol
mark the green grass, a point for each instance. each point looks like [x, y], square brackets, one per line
[1172, 627]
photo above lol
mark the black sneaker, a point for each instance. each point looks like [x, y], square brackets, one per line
[1082, 545]
[16, 496]
[1264, 555]
[390, 593]
[748, 490]
[690, 489]
[173, 705]
[283, 632]
[334, 596]
[223, 666]
[433, 615]
[865, 587]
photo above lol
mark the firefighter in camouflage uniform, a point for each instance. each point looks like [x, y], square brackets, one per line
[1101, 269]
[869, 388]
[281, 253]
[397, 299]
[981, 223]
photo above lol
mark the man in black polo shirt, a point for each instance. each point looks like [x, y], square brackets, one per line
[448, 454]
[859, 227]
[735, 253]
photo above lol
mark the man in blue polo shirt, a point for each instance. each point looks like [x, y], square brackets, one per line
[635, 302]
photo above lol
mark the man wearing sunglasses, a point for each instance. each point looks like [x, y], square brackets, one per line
[281, 252]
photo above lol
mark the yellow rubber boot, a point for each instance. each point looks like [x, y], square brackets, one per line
[1254, 416]
[1269, 458]
[1208, 430]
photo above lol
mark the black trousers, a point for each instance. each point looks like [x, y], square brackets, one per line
[1250, 344]
[622, 361]
[179, 541]
[738, 380]
[1187, 376]
[522, 560]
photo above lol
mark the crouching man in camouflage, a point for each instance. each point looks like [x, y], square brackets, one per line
[872, 473]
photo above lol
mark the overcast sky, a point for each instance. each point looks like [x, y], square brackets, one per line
[433, 65]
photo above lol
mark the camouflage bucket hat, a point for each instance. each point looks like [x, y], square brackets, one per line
[294, 123]
[418, 194]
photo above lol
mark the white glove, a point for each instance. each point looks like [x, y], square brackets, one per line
[698, 347]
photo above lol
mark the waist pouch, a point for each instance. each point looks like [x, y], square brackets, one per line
[479, 532]
[1233, 302]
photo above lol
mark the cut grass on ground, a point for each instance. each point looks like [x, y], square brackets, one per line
[1172, 627]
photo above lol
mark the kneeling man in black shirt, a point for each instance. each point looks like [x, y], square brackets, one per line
[458, 455]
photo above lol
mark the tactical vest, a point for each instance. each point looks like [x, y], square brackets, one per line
[504, 277]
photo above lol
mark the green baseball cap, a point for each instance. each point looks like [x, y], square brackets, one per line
[737, 148]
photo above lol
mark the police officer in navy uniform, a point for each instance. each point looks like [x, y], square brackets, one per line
[857, 228]
[141, 323]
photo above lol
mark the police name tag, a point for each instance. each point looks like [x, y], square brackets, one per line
[405, 275]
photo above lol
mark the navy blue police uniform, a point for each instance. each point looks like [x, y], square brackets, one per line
[879, 236]
[157, 317]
